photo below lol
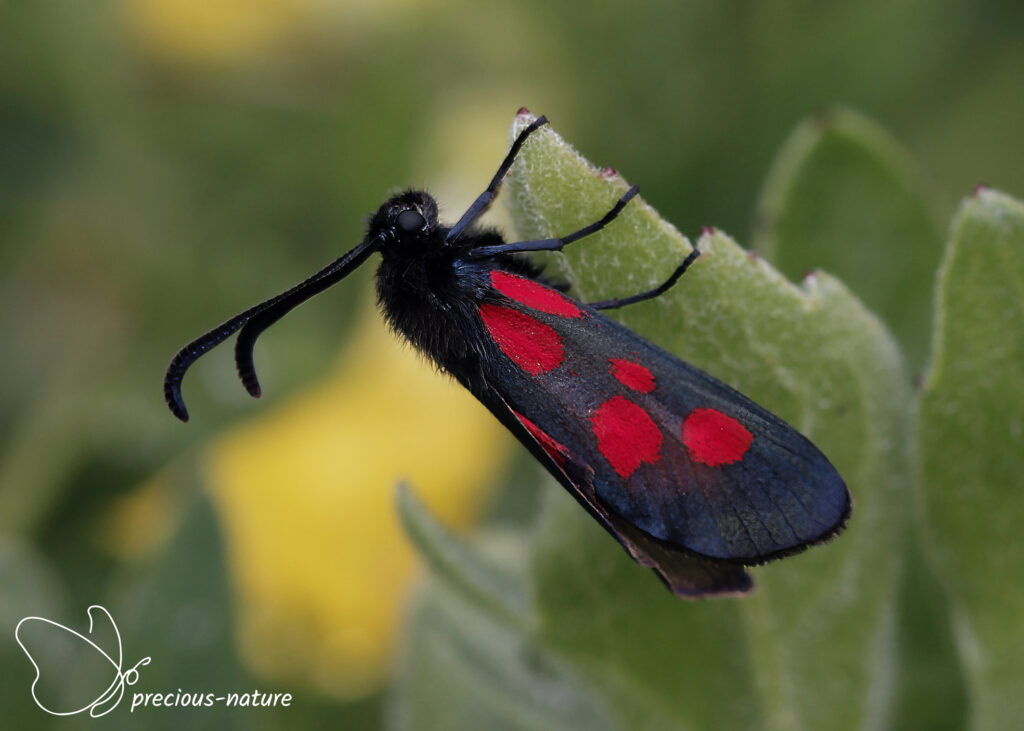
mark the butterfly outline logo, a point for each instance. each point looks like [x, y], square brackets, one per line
[113, 694]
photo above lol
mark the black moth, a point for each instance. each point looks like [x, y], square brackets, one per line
[693, 479]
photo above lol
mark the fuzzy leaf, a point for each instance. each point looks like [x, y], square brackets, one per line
[486, 584]
[462, 669]
[809, 649]
[970, 431]
[844, 196]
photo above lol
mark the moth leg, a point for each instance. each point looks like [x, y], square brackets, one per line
[484, 200]
[556, 244]
[651, 293]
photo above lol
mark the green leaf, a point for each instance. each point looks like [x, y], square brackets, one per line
[490, 586]
[659, 662]
[970, 431]
[930, 690]
[462, 669]
[470, 659]
[811, 647]
[844, 196]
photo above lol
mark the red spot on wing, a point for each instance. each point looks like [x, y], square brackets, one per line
[626, 435]
[557, 451]
[532, 345]
[534, 295]
[633, 375]
[715, 439]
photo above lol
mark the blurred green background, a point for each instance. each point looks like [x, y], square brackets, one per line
[166, 163]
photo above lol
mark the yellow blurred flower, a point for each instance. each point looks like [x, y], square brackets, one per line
[233, 32]
[216, 31]
[306, 496]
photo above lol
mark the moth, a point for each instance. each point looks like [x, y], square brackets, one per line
[694, 479]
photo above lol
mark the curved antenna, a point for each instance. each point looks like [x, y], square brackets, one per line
[281, 305]
[254, 321]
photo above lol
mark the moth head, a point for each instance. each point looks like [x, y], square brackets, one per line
[405, 218]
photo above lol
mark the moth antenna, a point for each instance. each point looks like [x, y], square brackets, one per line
[254, 321]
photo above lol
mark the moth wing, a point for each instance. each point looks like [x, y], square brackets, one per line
[685, 575]
[732, 481]
[666, 443]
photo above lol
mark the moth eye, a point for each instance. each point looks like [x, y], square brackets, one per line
[410, 221]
